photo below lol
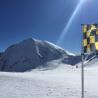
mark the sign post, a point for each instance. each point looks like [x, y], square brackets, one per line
[82, 75]
[82, 66]
[89, 45]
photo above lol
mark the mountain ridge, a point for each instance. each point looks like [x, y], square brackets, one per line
[31, 53]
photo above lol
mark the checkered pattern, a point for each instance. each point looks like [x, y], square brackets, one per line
[90, 38]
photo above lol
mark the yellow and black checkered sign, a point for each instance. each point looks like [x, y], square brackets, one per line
[90, 38]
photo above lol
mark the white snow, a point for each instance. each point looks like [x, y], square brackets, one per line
[58, 47]
[55, 46]
[69, 53]
[62, 82]
[37, 51]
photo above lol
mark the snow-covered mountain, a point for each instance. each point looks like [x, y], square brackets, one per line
[40, 83]
[32, 53]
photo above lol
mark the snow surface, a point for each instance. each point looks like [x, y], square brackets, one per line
[62, 82]
[70, 53]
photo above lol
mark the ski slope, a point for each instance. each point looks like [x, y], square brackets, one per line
[62, 82]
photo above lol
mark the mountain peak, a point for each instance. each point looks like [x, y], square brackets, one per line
[28, 40]
[31, 53]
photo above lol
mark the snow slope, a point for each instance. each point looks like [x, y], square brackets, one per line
[62, 82]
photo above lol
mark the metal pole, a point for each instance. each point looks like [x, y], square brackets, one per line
[82, 66]
[82, 76]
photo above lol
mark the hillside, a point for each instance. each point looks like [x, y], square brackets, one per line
[31, 53]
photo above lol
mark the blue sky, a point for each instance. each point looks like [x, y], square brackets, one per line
[45, 20]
